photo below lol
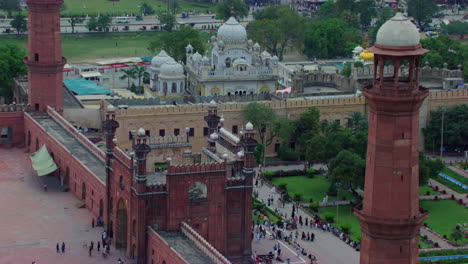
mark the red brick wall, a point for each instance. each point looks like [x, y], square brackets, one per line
[159, 251]
[78, 173]
[14, 120]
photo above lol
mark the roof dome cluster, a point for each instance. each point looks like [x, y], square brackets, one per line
[232, 32]
[171, 68]
[160, 59]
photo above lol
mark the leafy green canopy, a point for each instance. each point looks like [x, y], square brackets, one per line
[175, 42]
[277, 27]
[12, 65]
[235, 8]
[422, 10]
[330, 38]
[455, 129]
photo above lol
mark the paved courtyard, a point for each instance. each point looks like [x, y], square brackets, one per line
[326, 247]
[32, 221]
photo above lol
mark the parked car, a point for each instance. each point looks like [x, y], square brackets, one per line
[432, 34]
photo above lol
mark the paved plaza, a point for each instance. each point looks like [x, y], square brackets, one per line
[33, 221]
[328, 248]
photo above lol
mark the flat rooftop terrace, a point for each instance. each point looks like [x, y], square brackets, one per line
[184, 247]
[74, 146]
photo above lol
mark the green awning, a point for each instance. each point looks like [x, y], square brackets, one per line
[42, 162]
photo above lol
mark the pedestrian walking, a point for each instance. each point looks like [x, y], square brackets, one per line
[90, 249]
[63, 247]
[98, 245]
[119, 261]
[45, 187]
[57, 247]
[92, 223]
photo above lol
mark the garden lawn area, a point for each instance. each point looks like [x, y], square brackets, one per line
[450, 185]
[424, 189]
[81, 47]
[455, 175]
[444, 215]
[423, 244]
[345, 215]
[274, 217]
[130, 7]
[122, 7]
[311, 188]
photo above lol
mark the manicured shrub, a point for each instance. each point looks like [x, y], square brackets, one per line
[346, 228]
[310, 173]
[283, 186]
[268, 175]
[428, 193]
[297, 196]
[314, 206]
[329, 217]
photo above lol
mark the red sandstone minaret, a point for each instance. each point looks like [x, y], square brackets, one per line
[390, 216]
[45, 62]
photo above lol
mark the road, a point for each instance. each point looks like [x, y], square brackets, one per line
[134, 26]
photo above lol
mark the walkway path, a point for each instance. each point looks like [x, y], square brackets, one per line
[327, 248]
[33, 221]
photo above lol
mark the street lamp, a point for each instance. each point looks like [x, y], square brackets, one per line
[442, 135]
[264, 125]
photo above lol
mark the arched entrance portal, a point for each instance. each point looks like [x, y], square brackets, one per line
[121, 228]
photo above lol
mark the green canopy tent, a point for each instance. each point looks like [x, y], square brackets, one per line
[42, 162]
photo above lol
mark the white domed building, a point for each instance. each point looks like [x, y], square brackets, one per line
[166, 76]
[236, 65]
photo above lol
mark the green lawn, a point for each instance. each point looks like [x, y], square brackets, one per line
[423, 244]
[122, 7]
[444, 215]
[424, 189]
[345, 215]
[311, 188]
[80, 47]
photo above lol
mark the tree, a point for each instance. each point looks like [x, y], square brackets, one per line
[12, 65]
[104, 22]
[174, 7]
[330, 38]
[456, 28]
[428, 168]
[140, 72]
[146, 9]
[367, 10]
[128, 74]
[10, 6]
[356, 122]
[422, 10]
[327, 10]
[175, 42]
[92, 24]
[277, 27]
[283, 128]
[347, 69]
[348, 170]
[456, 236]
[19, 23]
[74, 20]
[168, 20]
[235, 8]
[262, 117]
[307, 126]
[455, 129]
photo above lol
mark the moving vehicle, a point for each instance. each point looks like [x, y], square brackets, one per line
[120, 20]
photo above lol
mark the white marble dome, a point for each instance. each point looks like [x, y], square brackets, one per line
[196, 56]
[171, 68]
[160, 59]
[232, 32]
[399, 31]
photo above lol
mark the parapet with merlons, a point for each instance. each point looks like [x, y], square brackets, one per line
[196, 168]
[14, 108]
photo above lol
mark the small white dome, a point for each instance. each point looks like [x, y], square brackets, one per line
[171, 68]
[110, 108]
[399, 31]
[256, 45]
[214, 136]
[232, 32]
[221, 119]
[141, 132]
[115, 140]
[249, 126]
[265, 54]
[189, 47]
[196, 56]
[358, 49]
[225, 156]
[275, 58]
[240, 154]
[212, 103]
[160, 59]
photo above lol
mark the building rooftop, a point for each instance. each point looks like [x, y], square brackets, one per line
[75, 147]
[186, 248]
